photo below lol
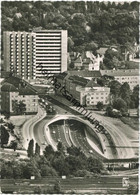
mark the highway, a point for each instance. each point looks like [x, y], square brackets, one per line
[116, 132]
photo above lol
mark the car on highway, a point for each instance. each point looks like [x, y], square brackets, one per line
[91, 151]
[43, 143]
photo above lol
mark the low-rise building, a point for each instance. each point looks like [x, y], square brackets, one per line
[13, 89]
[91, 75]
[131, 76]
[85, 91]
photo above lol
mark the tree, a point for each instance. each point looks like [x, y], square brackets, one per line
[30, 150]
[30, 169]
[18, 107]
[37, 149]
[74, 151]
[4, 135]
[120, 105]
[100, 105]
[48, 151]
[135, 96]
[46, 170]
[94, 165]
[60, 147]
[125, 92]
[111, 59]
[114, 88]
[14, 145]
[11, 127]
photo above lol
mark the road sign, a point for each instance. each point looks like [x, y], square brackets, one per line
[125, 182]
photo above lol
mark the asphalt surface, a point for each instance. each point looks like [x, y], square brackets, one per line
[119, 138]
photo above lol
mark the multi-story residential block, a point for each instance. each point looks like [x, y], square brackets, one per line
[19, 53]
[131, 76]
[85, 91]
[13, 89]
[51, 51]
[25, 51]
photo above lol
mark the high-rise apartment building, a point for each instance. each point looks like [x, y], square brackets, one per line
[24, 51]
[51, 51]
[19, 53]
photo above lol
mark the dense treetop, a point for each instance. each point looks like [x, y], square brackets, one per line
[101, 22]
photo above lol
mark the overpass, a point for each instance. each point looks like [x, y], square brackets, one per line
[104, 151]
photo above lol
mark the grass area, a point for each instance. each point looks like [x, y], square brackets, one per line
[133, 122]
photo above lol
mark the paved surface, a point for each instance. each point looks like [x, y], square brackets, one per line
[96, 184]
[116, 132]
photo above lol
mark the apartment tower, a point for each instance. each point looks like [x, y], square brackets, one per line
[51, 51]
[20, 54]
[25, 51]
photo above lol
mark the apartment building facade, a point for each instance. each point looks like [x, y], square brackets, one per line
[51, 51]
[24, 52]
[17, 90]
[19, 53]
[85, 91]
[131, 76]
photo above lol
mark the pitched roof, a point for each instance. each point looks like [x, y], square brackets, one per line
[83, 82]
[85, 73]
[8, 87]
[129, 72]
[102, 50]
[78, 60]
[79, 80]
[13, 84]
[62, 75]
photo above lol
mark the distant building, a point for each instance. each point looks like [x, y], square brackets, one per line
[86, 91]
[91, 75]
[14, 88]
[51, 51]
[78, 63]
[131, 76]
[90, 62]
[19, 53]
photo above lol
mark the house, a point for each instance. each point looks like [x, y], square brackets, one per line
[131, 76]
[78, 63]
[17, 89]
[90, 62]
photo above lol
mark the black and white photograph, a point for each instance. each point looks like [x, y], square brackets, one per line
[69, 97]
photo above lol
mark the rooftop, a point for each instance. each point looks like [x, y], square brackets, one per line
[85, 73]
[15, 84]
[102, 50]
[128, 72]
[83, 82]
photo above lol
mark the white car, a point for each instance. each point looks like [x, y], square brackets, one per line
[90, 151]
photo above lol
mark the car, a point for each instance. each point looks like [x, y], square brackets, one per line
[43, 143]
[90, 151]
[53, 132]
